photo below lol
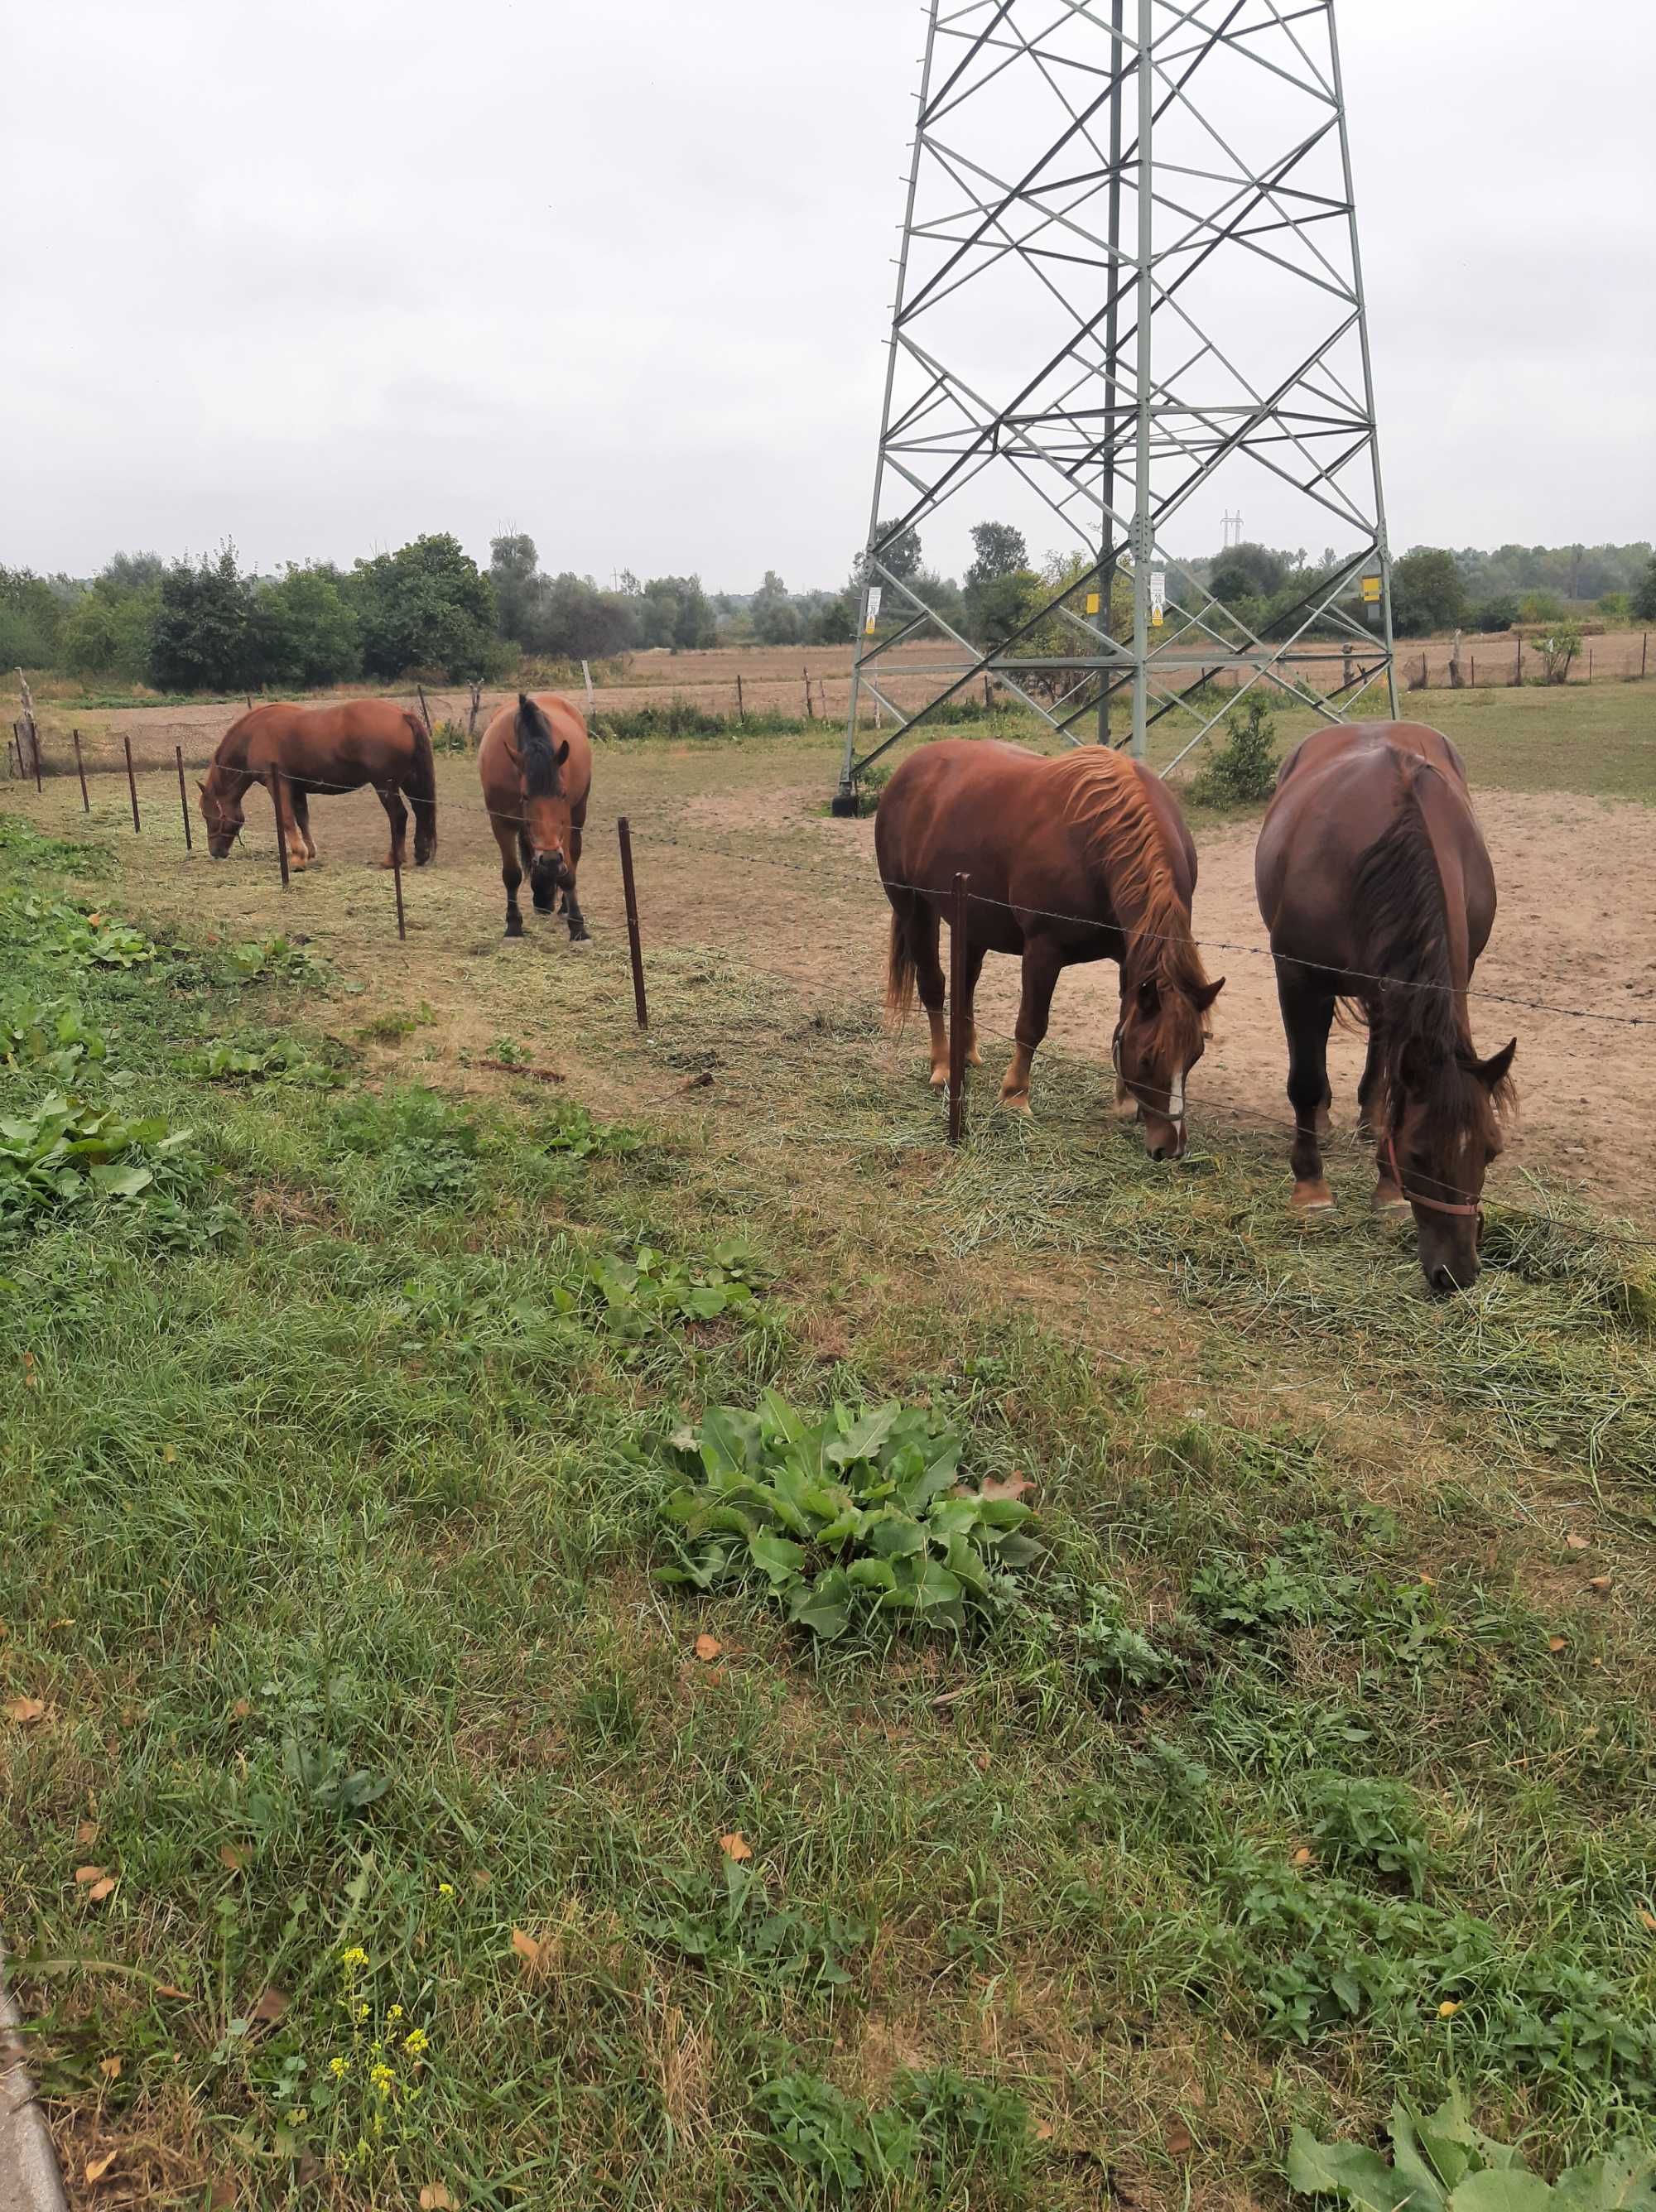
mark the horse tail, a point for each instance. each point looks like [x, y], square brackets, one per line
[900, 975]
[423, 791]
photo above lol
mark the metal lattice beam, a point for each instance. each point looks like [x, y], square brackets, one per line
[1128, 289]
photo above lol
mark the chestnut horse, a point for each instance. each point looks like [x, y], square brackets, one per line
[1376, 887]
[536, 763]
[295, 750]
[1081, 858]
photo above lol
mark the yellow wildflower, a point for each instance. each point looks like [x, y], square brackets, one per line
[416, 2043]
[354, 1957]
[338, 2067]
[382, 2078]
[445, 1889]
[1448, 2008]
[396, 2013]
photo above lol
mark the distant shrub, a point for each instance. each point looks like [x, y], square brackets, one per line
[1243, 772]
[1495, 614]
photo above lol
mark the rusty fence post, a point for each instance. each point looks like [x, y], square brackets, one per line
[38, 785]
[741, 714]
[397, 881]
[131, 782]
[184, 800]
[80, 770]
[281, 826]
[958, 1009]
[630, 891]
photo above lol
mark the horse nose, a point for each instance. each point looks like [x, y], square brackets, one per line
[1443, 1278]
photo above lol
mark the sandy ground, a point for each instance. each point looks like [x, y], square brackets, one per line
[736, 855]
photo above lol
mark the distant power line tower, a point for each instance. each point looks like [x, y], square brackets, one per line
[1128, 289]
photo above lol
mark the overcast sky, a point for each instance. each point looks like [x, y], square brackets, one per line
[321, 276]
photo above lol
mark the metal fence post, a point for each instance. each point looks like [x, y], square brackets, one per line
[131, 782]
[80, 770]
[958, 1009]
[630, 891]
[184, 800]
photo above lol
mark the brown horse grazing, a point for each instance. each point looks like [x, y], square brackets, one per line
[536, 763]
[1081, 858]
[1376, 887]
[295, 750]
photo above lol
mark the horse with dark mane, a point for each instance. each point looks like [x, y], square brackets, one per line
[295, 751]
[1375, 884]
[536, 763]
[1081, 858]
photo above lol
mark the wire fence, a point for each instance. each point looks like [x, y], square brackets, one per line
[658, 838]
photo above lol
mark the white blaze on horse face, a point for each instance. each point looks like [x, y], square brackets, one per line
[1176, 1100]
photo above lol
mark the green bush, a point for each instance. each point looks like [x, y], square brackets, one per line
[1497, 614]
[1243, 771]
[850, 1518]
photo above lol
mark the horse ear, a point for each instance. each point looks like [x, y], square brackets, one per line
[1493, 1072]
[1205, 996]
[1149, 998]
[562, 753]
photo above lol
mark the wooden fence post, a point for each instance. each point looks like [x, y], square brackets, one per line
[281, 826]
[80, 770]
[396, 881]
[629, 890]
[1518, 672]
[184, 801]
[810, 711]
[958, 1009]
[741, 712]
[1644, 653]
[131, 781]
[37, 760]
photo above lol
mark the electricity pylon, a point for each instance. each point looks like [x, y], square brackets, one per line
[1128, 288]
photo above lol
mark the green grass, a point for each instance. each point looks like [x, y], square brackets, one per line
[333, 1511]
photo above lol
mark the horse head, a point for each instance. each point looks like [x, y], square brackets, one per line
[547, 824]
[1442, 1128]
[1160, 1036]
[222, 793]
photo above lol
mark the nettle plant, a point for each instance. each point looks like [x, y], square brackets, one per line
[847, 1517]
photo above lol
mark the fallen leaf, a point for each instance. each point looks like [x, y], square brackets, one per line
[1576, 1543]
[1044, 2131]
[1648, 1920]
[230, 1856]
[735, 1845]
[271, 2005]
[87, 1832]
[526, 1947]
[100, 1890]
[241, 1708]
[110, 2069]
[24, 1710]
[222, 2198]
[482, 1878]
[97, 2167]
[1448, 2008]
[1302, 1856]
[169, 1453]
[1558, 1643]
[64, 1620]
[707, 1648]
[1599, 1583]
[433, 2197]
[86, 1873]
[167, 1989]
[1014, 1486]
[1178, 2140]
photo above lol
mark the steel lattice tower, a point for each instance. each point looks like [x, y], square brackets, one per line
[1129, 292]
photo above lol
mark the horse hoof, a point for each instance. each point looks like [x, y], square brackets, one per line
[1312, 1198]
[580, 944]
[1389, 1200]
[1017, 1102]
[514, 929]
[939, 1078]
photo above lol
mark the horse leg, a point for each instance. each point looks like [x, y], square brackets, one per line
[1307, 1015]
[1368, 1088]
[289, 801]
[397, 814]
[974, 970]
[527, 855]
[511, 874]
[300, 798]
[1043, 963]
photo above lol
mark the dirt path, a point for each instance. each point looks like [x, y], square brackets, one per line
[736, 858]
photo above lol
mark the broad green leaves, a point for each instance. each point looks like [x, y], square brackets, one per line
[67, 1150]
[846, 1518]
[1441, 2163]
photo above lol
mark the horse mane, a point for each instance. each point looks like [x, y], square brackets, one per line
[1104, 799]
[537, 753]
[1397, 890]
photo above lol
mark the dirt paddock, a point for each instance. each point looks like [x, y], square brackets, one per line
[736, 860]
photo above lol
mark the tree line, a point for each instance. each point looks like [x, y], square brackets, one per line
[428, 608]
